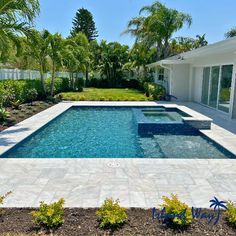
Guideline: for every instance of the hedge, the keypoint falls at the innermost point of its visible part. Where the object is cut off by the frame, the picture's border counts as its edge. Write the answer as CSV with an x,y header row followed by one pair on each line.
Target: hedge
x,y
13,90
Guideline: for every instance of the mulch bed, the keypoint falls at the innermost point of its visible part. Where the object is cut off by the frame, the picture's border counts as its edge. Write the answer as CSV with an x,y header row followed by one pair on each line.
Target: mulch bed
x,y
85,222
26,110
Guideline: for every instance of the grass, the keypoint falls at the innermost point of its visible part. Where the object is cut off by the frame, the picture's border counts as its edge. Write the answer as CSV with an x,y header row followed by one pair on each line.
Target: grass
x,y
95,94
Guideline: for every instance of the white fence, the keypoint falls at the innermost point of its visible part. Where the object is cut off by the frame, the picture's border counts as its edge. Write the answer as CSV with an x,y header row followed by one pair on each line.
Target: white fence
x,y
27,74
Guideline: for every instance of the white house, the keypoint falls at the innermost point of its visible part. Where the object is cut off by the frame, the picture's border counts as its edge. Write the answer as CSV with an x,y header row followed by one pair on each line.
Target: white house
x,y
206,75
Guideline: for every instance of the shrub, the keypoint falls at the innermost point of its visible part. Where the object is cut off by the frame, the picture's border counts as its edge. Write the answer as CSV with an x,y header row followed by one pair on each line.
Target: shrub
x,y
180,211
16,104
4,114
80,89
32,95
111,214
49,216
2,198
231,213
154,90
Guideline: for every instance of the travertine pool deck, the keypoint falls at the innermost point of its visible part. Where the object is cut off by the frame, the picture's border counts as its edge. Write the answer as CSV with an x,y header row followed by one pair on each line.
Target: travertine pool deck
x,y
136,182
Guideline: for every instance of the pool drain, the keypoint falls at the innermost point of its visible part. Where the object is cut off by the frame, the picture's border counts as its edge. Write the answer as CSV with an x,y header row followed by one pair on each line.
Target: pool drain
x,y
113,164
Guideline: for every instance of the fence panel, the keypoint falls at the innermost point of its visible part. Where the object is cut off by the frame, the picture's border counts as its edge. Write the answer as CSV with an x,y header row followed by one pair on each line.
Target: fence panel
x,y
27,74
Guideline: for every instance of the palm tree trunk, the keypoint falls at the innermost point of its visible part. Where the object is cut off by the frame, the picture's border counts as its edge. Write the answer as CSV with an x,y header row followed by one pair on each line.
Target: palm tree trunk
x,y
53,79
42,80
86,76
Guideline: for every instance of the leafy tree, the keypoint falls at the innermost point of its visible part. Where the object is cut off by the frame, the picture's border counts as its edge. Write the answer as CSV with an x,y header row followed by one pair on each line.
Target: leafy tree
x,y
56,46
157,26
16,17
231,33
39,43
84,22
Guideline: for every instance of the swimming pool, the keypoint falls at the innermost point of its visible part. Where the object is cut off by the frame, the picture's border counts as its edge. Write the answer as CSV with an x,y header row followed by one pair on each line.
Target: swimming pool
x,y
111,132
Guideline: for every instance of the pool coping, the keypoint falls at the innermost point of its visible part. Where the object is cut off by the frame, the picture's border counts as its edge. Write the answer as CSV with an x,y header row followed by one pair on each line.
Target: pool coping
x,y
17,133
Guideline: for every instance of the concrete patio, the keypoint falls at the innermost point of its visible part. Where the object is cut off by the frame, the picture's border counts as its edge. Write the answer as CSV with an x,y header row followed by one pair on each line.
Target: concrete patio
x,y
136,182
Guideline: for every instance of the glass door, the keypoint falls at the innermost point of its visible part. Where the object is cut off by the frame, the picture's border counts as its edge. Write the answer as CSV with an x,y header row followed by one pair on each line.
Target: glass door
x,y
225,88
215,74
205,85
216,87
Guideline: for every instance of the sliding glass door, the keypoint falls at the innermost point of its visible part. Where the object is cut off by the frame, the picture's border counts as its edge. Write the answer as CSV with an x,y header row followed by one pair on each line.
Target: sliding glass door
x,y
215,72
216,87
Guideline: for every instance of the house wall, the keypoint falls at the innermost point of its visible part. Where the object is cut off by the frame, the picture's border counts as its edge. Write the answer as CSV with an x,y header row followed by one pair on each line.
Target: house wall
x,y
179,81
197,76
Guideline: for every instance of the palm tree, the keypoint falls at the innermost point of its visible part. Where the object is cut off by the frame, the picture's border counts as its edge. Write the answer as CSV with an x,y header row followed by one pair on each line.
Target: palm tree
x,y
56,46
200,41
231,33
16,17
76,54
157,27
38,44
217,205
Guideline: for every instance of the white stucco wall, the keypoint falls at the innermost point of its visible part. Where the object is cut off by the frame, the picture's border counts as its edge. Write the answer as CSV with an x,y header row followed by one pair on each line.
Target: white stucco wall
x,y
196,88
180,81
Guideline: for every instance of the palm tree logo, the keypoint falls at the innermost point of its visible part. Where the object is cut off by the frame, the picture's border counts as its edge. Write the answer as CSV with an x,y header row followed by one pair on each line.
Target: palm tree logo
x,y
217,206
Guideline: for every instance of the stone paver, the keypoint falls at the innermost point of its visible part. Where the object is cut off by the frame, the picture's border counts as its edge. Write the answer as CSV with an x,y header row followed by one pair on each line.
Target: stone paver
x,y
195,181
136,182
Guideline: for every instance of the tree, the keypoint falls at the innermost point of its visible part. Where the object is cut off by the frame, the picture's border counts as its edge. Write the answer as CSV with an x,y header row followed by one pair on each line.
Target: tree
x,y
113,57
83,22
76,54
231,33
56,46
16,17
200,41
157,26
39,43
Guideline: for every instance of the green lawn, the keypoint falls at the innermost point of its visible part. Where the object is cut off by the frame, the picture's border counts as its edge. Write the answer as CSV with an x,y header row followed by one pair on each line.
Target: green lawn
x,y
94,94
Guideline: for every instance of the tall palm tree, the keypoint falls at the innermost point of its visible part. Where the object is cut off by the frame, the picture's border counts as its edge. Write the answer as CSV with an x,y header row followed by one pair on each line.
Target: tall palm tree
x,y
158,26
16,17
55,53
38,44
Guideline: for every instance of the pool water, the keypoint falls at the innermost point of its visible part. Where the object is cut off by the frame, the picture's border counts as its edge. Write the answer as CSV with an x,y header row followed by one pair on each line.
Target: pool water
x,y
163,116
83,132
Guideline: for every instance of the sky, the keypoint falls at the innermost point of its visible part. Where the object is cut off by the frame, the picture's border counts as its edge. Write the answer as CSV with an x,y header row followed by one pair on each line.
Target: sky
x,y
210,17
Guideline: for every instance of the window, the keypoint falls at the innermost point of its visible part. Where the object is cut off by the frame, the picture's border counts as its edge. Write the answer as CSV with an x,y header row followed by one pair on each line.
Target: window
x,y
216,87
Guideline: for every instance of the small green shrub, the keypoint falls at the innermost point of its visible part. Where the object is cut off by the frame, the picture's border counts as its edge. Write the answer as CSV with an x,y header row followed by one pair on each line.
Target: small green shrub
x,y
181,212
32,95
4,114
49,216
2,198
153,90
16,104
111,214
231,213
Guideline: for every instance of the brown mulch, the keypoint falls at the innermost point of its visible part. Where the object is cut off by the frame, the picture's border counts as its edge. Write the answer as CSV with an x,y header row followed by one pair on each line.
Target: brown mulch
x,y
85,222
26,110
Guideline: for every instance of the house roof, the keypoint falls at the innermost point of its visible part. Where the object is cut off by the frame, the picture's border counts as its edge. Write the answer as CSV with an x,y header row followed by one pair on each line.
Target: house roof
x,y
225,46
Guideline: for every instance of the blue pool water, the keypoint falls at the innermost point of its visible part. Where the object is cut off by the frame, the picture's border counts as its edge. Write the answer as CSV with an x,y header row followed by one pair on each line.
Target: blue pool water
x,y
110,132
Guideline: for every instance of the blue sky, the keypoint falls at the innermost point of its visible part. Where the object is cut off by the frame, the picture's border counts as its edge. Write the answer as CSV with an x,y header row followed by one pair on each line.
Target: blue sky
x,y
212,17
